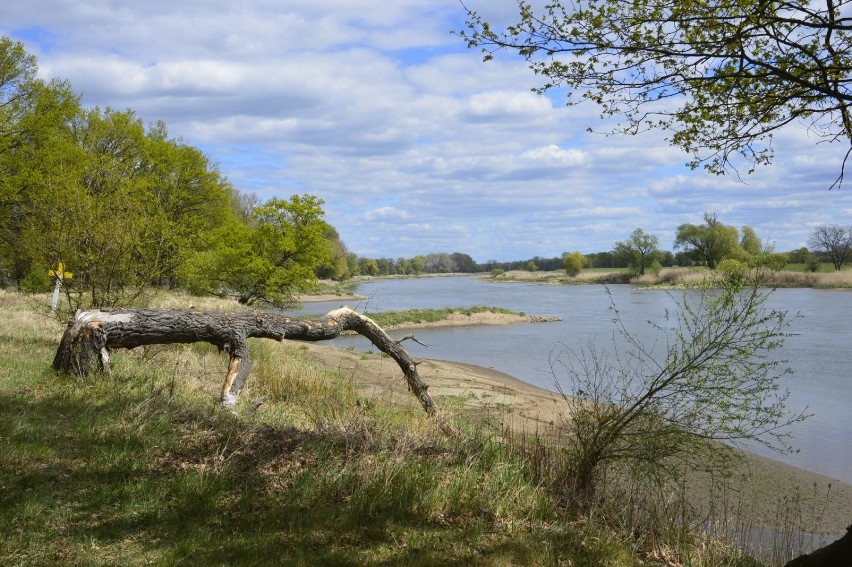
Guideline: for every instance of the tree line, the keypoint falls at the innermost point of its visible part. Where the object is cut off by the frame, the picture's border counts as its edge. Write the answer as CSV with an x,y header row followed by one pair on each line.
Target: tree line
x,y
115,207
712,244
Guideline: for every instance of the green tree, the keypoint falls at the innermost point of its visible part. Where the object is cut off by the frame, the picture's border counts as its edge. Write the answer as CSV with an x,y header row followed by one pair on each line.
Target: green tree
x,y
654,410
271,259
91,210
34,116
711,242
730,73
834,241
532,266
185,194
573,262
641,250
336,265
750,242
463,262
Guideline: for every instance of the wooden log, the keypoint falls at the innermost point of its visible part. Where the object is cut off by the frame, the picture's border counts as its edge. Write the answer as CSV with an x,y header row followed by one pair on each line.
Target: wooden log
x,y
91,335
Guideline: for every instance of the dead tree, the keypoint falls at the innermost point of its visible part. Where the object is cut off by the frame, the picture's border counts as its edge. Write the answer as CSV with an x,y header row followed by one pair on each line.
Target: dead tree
x,y
91,335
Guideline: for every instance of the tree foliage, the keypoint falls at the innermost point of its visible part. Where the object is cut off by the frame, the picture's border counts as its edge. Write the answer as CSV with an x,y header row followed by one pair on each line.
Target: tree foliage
x,y
573,262
710,242
641,250
652,407
272,259
834,241
124,208
719,76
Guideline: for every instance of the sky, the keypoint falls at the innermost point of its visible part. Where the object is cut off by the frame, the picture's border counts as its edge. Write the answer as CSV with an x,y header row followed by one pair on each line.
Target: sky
x,y
415,145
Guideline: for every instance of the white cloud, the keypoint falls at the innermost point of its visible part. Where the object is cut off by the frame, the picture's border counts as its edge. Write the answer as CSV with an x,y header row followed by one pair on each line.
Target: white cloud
x,y
377,109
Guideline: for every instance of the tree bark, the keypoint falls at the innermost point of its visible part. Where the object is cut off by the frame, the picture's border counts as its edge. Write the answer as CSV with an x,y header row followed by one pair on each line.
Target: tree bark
x,y
837,554
91,335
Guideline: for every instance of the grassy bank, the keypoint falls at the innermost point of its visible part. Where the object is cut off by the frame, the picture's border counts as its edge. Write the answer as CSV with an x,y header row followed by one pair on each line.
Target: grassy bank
x,y
143,467
794,275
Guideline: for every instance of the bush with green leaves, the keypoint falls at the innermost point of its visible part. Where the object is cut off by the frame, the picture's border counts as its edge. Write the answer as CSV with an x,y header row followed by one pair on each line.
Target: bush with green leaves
x,y
707,383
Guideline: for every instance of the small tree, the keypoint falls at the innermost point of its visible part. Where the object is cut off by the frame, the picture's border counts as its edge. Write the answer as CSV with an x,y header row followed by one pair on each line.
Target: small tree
x,y
641,250
712,242
658,409
834,241
573,263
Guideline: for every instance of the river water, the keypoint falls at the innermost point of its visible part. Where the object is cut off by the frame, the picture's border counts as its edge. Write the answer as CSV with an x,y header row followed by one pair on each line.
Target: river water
x,y
820,352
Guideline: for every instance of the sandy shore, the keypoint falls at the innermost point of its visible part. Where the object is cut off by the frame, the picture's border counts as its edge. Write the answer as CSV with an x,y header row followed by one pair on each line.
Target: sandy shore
x,y
771,492
329,297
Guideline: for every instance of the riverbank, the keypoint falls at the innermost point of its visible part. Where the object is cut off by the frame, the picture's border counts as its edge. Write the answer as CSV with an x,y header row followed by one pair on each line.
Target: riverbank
x,y
765,493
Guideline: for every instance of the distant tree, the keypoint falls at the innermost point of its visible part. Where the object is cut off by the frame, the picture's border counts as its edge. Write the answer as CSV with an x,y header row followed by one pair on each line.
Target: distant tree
x,y
463,263
712,241
417,264
602,260
667,259
799,255
834,241
641,250
532,266
573,262
403,266
750,242
384,266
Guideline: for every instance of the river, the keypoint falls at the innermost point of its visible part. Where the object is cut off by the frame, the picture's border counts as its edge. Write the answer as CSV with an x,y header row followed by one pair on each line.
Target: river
x,y
819,351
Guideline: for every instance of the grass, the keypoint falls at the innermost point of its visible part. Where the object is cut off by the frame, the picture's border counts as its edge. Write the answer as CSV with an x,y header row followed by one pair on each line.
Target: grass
x,y
791,276
396,318
143,467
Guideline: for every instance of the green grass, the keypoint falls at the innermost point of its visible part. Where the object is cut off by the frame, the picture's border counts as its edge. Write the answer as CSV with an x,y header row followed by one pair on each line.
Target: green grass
x,y
142,467
395,318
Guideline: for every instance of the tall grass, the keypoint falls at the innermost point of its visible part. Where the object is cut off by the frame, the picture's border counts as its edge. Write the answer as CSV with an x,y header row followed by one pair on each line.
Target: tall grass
x,y
142,467
678,277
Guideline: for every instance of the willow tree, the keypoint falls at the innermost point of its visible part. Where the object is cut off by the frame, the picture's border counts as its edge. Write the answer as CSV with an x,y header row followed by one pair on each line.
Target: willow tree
x,y
719,76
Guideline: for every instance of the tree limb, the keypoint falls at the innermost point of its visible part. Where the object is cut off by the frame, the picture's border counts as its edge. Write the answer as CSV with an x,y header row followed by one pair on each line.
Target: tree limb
x,y
91,335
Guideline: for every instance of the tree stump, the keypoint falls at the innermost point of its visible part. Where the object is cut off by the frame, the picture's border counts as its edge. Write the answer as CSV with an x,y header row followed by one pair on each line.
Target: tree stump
x,y
91,335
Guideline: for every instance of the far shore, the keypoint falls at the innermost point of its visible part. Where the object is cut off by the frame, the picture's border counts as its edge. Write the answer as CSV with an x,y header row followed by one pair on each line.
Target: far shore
x,y
764,485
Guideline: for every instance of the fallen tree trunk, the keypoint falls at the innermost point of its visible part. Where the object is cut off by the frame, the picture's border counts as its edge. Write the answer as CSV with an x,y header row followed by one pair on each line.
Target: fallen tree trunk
x,y
91,335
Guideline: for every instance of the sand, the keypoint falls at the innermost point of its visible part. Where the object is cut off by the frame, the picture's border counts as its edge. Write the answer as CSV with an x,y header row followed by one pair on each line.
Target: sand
x,y
771,492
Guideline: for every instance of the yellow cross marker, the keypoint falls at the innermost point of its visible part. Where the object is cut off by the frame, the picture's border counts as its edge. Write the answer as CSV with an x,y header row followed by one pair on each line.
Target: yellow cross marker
x,y
60,273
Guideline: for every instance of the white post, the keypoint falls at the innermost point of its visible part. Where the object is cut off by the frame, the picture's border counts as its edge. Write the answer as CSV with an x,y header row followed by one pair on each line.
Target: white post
x,y
55,301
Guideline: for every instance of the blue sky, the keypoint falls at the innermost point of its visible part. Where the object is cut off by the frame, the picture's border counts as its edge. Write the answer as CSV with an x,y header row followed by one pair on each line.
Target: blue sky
x,y
415,144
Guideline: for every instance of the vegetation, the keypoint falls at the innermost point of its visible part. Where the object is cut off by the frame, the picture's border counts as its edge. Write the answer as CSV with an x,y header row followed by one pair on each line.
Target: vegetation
x,y
399,318
123,207
732,73
573,262
270,259
664,411
642,251
140,467
833,241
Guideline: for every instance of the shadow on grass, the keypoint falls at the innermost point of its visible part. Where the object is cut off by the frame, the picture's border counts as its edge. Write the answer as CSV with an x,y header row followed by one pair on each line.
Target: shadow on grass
x,y
118,473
